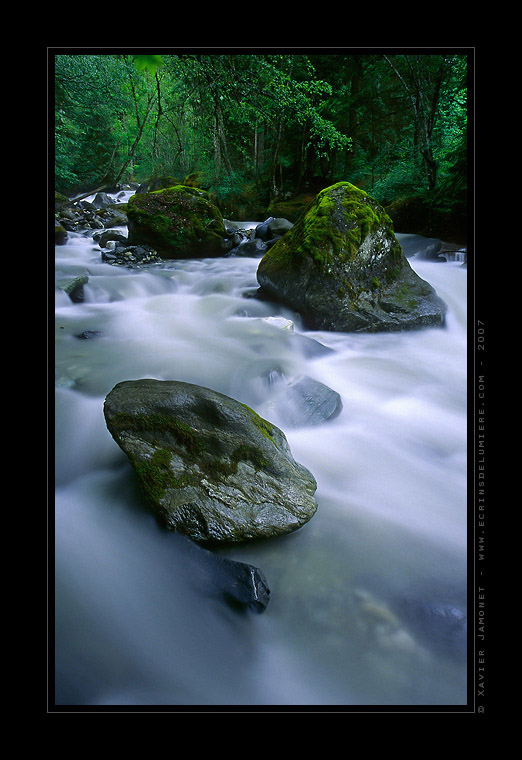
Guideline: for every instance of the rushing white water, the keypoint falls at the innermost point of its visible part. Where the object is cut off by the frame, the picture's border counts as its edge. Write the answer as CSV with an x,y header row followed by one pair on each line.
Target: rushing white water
x,y
351,619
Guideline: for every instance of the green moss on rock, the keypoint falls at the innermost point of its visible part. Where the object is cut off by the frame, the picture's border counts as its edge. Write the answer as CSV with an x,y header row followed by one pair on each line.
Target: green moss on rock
x,y
60,200
265,428
178,222
340,264
162,425
60,234
333,230
210,466
155,473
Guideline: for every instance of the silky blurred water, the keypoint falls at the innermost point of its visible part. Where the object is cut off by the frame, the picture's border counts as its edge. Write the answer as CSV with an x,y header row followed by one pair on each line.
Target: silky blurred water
x,y
355,612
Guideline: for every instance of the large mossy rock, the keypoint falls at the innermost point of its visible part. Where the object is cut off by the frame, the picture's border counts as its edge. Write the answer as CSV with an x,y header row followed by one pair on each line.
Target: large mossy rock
x,y
210,467
60,200
342,268
179,222
60,233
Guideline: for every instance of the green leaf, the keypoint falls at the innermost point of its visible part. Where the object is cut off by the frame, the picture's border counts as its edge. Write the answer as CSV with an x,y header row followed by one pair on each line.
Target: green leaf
x,y
148,62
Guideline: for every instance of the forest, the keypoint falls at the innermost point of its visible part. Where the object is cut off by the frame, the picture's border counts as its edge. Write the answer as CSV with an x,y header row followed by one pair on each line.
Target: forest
x,y
261,132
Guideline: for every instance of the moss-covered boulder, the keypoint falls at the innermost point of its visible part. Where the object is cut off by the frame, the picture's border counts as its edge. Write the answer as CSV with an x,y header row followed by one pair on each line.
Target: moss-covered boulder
x,y
60,200
179,222
342,268
60,234
211,468
192,180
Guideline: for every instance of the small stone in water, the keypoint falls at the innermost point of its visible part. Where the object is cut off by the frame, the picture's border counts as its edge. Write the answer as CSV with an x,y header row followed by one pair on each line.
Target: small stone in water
x,y
87,334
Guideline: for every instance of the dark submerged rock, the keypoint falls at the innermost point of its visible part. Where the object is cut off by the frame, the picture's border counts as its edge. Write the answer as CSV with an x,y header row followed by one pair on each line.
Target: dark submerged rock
x,y
342,268
304,402
435,616
440,625
241,585
89,334
210,467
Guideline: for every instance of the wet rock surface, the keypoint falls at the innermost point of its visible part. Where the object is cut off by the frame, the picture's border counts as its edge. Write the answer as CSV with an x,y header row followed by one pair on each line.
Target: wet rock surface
x,y
178,222
73,286
211,468
240,585
302,401
130,256
341,267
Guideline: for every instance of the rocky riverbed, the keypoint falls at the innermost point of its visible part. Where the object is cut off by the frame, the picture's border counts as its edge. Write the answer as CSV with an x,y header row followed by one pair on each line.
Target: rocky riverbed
x,y
370,591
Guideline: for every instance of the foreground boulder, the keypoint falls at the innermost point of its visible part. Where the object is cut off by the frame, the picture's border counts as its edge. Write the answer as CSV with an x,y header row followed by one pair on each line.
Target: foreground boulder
x,y
211,468
342,268
179,222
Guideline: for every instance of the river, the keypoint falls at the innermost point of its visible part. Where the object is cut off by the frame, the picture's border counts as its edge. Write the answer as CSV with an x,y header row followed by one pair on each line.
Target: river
x,y
368,599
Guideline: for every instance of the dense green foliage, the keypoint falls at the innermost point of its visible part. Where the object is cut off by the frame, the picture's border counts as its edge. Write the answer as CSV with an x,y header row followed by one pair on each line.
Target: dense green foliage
x,y
264,126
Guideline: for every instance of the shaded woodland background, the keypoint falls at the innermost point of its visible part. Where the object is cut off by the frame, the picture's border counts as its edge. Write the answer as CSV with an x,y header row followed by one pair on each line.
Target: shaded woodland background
x,y
264,133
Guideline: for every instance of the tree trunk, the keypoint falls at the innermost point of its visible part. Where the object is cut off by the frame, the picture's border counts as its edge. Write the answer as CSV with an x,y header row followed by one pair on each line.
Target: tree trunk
x,y
86,195
223,141
430,166
302,159
355,87
423,92
217,148
136,141
276,158
130,157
